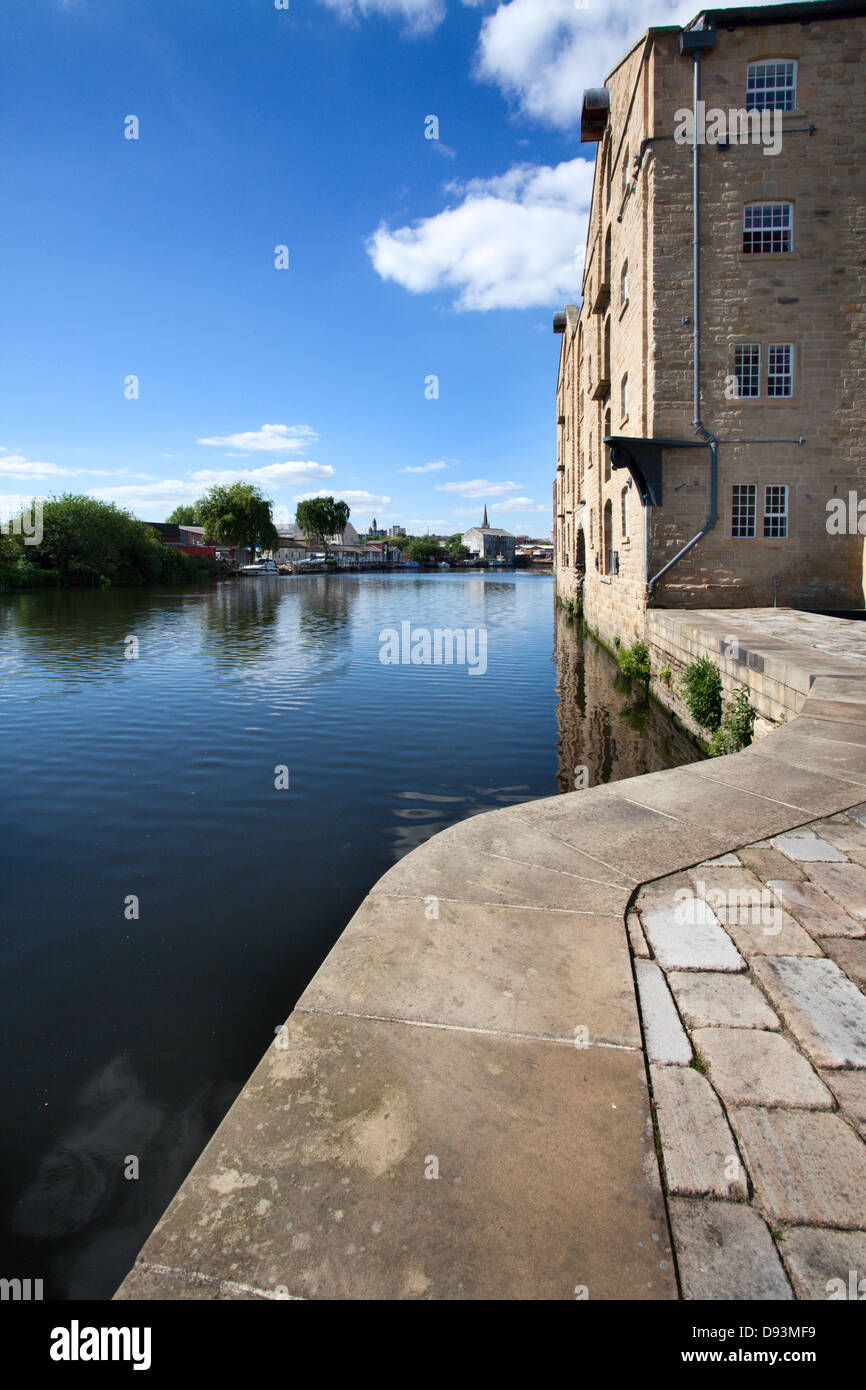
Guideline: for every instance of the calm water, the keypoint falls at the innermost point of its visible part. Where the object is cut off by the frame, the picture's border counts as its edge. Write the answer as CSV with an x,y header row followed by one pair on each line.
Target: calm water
x,y
155,777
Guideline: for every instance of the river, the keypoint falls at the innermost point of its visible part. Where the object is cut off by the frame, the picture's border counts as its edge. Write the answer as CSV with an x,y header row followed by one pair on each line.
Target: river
x,y
166,896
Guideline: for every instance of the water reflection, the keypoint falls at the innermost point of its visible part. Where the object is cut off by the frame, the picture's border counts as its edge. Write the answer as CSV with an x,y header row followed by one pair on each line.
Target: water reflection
x,y
606,723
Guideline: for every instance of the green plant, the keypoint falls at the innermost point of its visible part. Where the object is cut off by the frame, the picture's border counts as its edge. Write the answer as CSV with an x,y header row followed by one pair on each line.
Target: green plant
x,y
702,692
617,643
737,726
634,662
665,675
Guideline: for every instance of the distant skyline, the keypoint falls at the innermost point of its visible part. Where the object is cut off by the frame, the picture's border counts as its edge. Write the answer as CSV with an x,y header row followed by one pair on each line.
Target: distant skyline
x,y
158,157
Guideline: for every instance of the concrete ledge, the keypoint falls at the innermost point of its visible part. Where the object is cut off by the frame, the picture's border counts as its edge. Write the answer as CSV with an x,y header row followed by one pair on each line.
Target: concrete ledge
x,y
459,1107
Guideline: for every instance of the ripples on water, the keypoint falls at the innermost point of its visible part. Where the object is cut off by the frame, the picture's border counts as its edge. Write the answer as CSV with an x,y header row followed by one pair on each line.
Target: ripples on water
x,y
155,777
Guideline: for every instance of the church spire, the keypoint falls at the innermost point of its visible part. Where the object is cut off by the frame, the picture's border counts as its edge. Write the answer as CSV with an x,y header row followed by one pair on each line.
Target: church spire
x,y
484,522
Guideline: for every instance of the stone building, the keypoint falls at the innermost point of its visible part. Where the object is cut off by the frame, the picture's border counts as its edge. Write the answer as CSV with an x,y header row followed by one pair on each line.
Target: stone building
x,y
710,425
488,543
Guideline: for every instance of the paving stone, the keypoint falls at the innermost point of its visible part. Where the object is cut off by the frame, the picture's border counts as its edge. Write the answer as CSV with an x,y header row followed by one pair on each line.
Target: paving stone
x,y
844,882
699,1150
784,938
805,847
725,1251
850,956
636,936
767,862
825,1012
846,836
858,813
665,1036
811,906
684,932
807,1166
750,1067
724,861
713,999
849,1088
825,1265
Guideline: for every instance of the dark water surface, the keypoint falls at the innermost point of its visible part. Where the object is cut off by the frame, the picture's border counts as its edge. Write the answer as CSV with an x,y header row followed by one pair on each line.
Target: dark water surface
x,y
154,777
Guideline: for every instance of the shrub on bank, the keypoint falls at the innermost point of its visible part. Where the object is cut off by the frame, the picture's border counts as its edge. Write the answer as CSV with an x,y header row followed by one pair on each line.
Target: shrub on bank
x,y
736,728
634,662
702,693
92,543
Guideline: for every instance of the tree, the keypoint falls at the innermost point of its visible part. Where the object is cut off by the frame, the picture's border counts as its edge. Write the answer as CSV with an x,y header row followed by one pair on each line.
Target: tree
x,y
455,547
322,517
186,514
237,515
423,548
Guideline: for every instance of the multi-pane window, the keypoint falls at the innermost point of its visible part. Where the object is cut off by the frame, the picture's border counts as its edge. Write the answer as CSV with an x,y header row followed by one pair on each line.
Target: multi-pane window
x,y
771,86
768,227
743,507
747,368
776,511
780,369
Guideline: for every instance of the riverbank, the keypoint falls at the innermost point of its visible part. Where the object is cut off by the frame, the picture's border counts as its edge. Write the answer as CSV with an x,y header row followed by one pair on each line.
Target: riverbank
x,y
461,1104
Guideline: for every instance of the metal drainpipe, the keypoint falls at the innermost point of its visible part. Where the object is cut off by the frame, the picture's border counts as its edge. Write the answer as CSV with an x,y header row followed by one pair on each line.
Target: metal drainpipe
x,y
701,429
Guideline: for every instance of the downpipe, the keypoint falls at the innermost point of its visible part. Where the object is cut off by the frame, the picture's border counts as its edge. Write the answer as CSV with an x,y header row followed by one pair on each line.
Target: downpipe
x,y
694,41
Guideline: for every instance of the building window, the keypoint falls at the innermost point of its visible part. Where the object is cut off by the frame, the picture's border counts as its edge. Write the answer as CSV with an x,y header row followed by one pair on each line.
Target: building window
x,y
780,369
743,505
771,86
591,529
776,512
747,369
624,512
768,227
606,447
625,170
623,284
624,397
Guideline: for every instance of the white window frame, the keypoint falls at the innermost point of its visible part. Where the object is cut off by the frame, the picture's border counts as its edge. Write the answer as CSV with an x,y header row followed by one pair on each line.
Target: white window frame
x,y
783,376
778,514
768,230
750,513
784,89
754,370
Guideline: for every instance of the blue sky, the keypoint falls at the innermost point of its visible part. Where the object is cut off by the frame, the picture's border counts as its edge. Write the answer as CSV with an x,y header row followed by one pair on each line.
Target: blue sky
x,y
409,257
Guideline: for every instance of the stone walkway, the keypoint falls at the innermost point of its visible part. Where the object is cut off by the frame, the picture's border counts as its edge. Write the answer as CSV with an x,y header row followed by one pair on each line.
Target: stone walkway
x,y
467,1100
751,972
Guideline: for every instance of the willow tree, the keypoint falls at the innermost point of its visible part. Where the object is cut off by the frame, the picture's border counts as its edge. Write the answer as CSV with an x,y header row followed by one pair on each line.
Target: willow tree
x,y
237,515
322,517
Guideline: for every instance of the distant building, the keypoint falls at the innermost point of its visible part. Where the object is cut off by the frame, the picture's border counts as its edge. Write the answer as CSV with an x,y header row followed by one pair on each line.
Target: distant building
x,y
395,531
488,543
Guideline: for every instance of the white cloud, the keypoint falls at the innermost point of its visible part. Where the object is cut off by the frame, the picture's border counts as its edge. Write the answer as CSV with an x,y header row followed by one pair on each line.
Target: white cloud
x,y
512,242
419,16
277,474
357,500
425,468
17,466
147,499
543,53
520,504
275,438
479,487
440,521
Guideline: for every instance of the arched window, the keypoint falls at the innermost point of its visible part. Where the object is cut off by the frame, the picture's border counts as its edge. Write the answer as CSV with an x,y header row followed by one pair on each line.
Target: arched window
x,y
606,274
607,447
607,538
606,369
624,396
625,170
623,284
624,511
